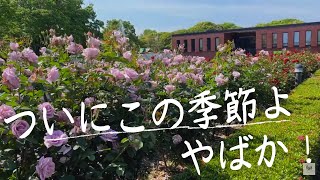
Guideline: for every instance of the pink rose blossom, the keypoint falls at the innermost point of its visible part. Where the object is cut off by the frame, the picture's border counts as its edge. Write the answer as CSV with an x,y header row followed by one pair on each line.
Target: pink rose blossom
x,y
74,48
236,74
166,61
2,61
169,88
57,40
237,62
43,50
93,42
167,51
221,80
254,59
49,108
131,74
45,167
29,55
14,46
89,101
15,56
55,139
6,112
18,127
90,53
117,74
127,55
116,34
10,79
53,75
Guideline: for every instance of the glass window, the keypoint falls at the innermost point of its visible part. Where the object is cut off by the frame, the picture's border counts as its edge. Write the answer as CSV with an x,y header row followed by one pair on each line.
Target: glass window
x,y
178,43
208,44
318,37
264,41
285,39
308,38
185,42
200,44
193,45
217,41
274,40
296,39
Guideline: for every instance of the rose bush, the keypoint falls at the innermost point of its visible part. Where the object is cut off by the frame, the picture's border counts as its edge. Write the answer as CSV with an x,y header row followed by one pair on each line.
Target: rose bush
x,y
67,74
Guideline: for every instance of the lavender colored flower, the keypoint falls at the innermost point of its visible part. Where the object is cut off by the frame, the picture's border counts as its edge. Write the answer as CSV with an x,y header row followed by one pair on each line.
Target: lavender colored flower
x,y
169,88
49,108
109,135
89,101
237,62
221,80
127,55
130,74
2,61
45,167
53,75
57,40
236,74
93,42
18,127
6,112
15,56
117,74
10,79
56,139
29,55
74,48
14,46
176,139
90,53
43,50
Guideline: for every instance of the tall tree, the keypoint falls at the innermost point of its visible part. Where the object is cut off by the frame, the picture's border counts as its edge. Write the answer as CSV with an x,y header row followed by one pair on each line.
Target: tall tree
x,y
31,17
126,27
280,22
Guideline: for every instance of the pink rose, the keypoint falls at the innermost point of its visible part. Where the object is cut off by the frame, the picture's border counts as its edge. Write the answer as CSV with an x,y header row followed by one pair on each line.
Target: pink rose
x,y
117,74
90,53
62,116
15,56
166,51
6,112
169,88
127,55
29,55
166,61
49,108
45,167
236,74
43,50
57,40
74,48
56,139
221,80
10,79
131,74
89,101
2,61
93,42
53,75
255,59
18,127
14,46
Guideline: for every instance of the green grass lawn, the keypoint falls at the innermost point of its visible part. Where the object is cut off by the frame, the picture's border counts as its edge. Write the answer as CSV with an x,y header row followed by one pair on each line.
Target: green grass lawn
x,y
304,105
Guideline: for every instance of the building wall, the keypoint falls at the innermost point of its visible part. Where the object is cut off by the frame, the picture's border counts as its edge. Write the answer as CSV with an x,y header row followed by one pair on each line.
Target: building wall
x,y
290,30
224,36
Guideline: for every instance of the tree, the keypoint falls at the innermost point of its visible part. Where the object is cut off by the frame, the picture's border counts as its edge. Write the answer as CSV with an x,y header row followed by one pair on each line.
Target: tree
x,y
125,27
204,26
30,18
228,25
280,22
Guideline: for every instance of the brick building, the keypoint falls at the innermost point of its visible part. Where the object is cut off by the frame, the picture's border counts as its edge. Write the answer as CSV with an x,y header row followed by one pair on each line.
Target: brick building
x,y
271,38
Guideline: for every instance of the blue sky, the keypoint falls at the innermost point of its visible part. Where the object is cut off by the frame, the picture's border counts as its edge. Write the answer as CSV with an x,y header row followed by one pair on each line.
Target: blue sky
x,y
170,15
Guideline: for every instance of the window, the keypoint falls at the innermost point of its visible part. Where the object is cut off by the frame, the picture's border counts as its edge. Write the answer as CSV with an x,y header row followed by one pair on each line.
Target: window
x,y
264,41
308,38
296,39
178,43
318,37
185,42
217,41
200,44
285,39
274,40
209,44
193,45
